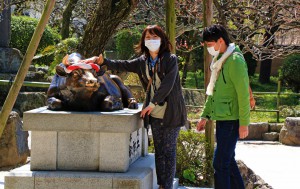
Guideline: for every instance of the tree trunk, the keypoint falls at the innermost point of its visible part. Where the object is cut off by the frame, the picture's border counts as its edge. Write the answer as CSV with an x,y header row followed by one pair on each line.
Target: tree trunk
x,y
195,70
18,82
67,14
265,71
171,23
109,14
5,18
209,129
266,65
269,40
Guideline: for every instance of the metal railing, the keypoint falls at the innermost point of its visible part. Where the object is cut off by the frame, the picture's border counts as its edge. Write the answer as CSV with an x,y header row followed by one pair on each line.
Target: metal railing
x,y
27,83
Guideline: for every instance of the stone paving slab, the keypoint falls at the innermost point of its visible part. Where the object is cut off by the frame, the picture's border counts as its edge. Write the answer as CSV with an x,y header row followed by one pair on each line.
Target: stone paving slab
x,y
141,174
276,164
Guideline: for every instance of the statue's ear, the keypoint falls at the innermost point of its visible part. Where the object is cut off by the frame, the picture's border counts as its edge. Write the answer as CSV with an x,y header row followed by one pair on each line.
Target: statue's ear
x,y
60,71
65,60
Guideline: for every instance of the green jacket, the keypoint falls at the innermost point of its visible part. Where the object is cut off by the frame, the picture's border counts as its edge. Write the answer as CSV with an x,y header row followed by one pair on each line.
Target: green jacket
x,y
230,99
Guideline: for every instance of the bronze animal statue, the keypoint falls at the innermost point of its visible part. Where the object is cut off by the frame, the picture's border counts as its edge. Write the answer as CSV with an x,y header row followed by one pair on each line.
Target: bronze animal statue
x,y
84,87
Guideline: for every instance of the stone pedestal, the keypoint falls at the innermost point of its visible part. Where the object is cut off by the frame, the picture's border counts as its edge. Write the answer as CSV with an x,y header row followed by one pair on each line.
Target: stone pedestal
x,y
88,150
84,141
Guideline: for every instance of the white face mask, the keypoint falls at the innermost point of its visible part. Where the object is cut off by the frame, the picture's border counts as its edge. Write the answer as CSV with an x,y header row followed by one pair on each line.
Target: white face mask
x,y
152,45
212,51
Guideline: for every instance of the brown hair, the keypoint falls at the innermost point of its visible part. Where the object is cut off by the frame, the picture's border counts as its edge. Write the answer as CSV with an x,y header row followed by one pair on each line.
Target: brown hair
x,y
165,45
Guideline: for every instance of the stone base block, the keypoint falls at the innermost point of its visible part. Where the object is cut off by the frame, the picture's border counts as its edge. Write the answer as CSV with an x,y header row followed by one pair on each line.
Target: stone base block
x,y
85,141
141,175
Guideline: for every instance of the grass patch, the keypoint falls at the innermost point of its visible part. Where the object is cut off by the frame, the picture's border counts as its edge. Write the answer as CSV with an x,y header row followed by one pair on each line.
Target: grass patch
x,y
194,80
268,87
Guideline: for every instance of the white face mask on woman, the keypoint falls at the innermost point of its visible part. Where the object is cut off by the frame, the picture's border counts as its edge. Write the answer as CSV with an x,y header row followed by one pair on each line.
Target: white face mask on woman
x,y
153,44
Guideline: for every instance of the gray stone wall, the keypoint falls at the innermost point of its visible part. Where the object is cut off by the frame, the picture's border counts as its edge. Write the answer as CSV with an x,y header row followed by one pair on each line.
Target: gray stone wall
x,y
10,60
290,133
264,131
13,143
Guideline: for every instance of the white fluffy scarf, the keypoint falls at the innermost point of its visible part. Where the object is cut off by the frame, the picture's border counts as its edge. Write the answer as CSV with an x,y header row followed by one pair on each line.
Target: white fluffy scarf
x,y
216,66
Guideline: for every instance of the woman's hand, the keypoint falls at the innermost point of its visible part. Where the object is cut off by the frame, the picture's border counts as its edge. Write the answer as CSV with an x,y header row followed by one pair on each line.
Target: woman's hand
x,y
201,124
147,110
95,59
100,59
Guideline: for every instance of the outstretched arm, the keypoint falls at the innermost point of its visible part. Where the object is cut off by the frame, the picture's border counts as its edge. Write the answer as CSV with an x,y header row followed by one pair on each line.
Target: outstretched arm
x,y
119,65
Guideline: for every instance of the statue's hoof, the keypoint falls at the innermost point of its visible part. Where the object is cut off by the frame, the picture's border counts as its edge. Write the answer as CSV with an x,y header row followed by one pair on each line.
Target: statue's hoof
x,y
54,104
112,103
133,104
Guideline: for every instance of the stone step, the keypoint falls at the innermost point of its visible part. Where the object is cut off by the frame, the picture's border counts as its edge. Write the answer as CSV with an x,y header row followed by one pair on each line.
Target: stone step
x,y
141,175
271,136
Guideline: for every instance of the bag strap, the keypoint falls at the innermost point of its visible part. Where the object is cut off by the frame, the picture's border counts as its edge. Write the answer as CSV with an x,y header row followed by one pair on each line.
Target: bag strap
x,y
149,84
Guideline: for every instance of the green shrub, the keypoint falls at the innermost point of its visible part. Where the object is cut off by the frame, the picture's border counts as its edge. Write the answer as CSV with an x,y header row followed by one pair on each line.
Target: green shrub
x,y
191,161
125,41
289,111
290,72
22,29
59,51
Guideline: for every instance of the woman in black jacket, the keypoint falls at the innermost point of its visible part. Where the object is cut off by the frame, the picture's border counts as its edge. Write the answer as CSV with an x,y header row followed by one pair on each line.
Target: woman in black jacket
x,y
164,107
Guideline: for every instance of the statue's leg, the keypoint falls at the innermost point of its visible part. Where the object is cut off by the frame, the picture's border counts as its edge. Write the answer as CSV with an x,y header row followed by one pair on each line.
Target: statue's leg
x,y
127,97
111,103
113,97
54,103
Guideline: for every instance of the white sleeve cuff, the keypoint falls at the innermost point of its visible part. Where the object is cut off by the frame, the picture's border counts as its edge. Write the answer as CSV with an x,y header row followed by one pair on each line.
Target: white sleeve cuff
x,y
151,105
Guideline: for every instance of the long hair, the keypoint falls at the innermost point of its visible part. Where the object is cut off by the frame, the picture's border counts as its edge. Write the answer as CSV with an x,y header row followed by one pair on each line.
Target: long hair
x,y
165,45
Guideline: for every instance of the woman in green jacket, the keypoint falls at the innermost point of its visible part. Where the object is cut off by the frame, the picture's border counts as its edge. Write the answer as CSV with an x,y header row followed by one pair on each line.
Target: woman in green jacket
x,y
227,103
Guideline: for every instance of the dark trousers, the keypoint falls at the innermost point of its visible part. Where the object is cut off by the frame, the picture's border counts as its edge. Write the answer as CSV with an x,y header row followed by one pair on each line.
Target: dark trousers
x,y
165,152
227,174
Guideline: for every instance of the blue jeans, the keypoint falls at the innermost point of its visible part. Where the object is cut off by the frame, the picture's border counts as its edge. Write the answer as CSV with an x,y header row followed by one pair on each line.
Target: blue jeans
x,y
227,174
165,139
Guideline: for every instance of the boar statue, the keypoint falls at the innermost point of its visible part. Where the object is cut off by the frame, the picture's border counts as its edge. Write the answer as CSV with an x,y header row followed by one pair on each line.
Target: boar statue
x,y
78,86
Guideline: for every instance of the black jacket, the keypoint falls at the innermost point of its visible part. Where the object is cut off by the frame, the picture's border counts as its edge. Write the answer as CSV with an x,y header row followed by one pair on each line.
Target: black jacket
x,y
169,90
